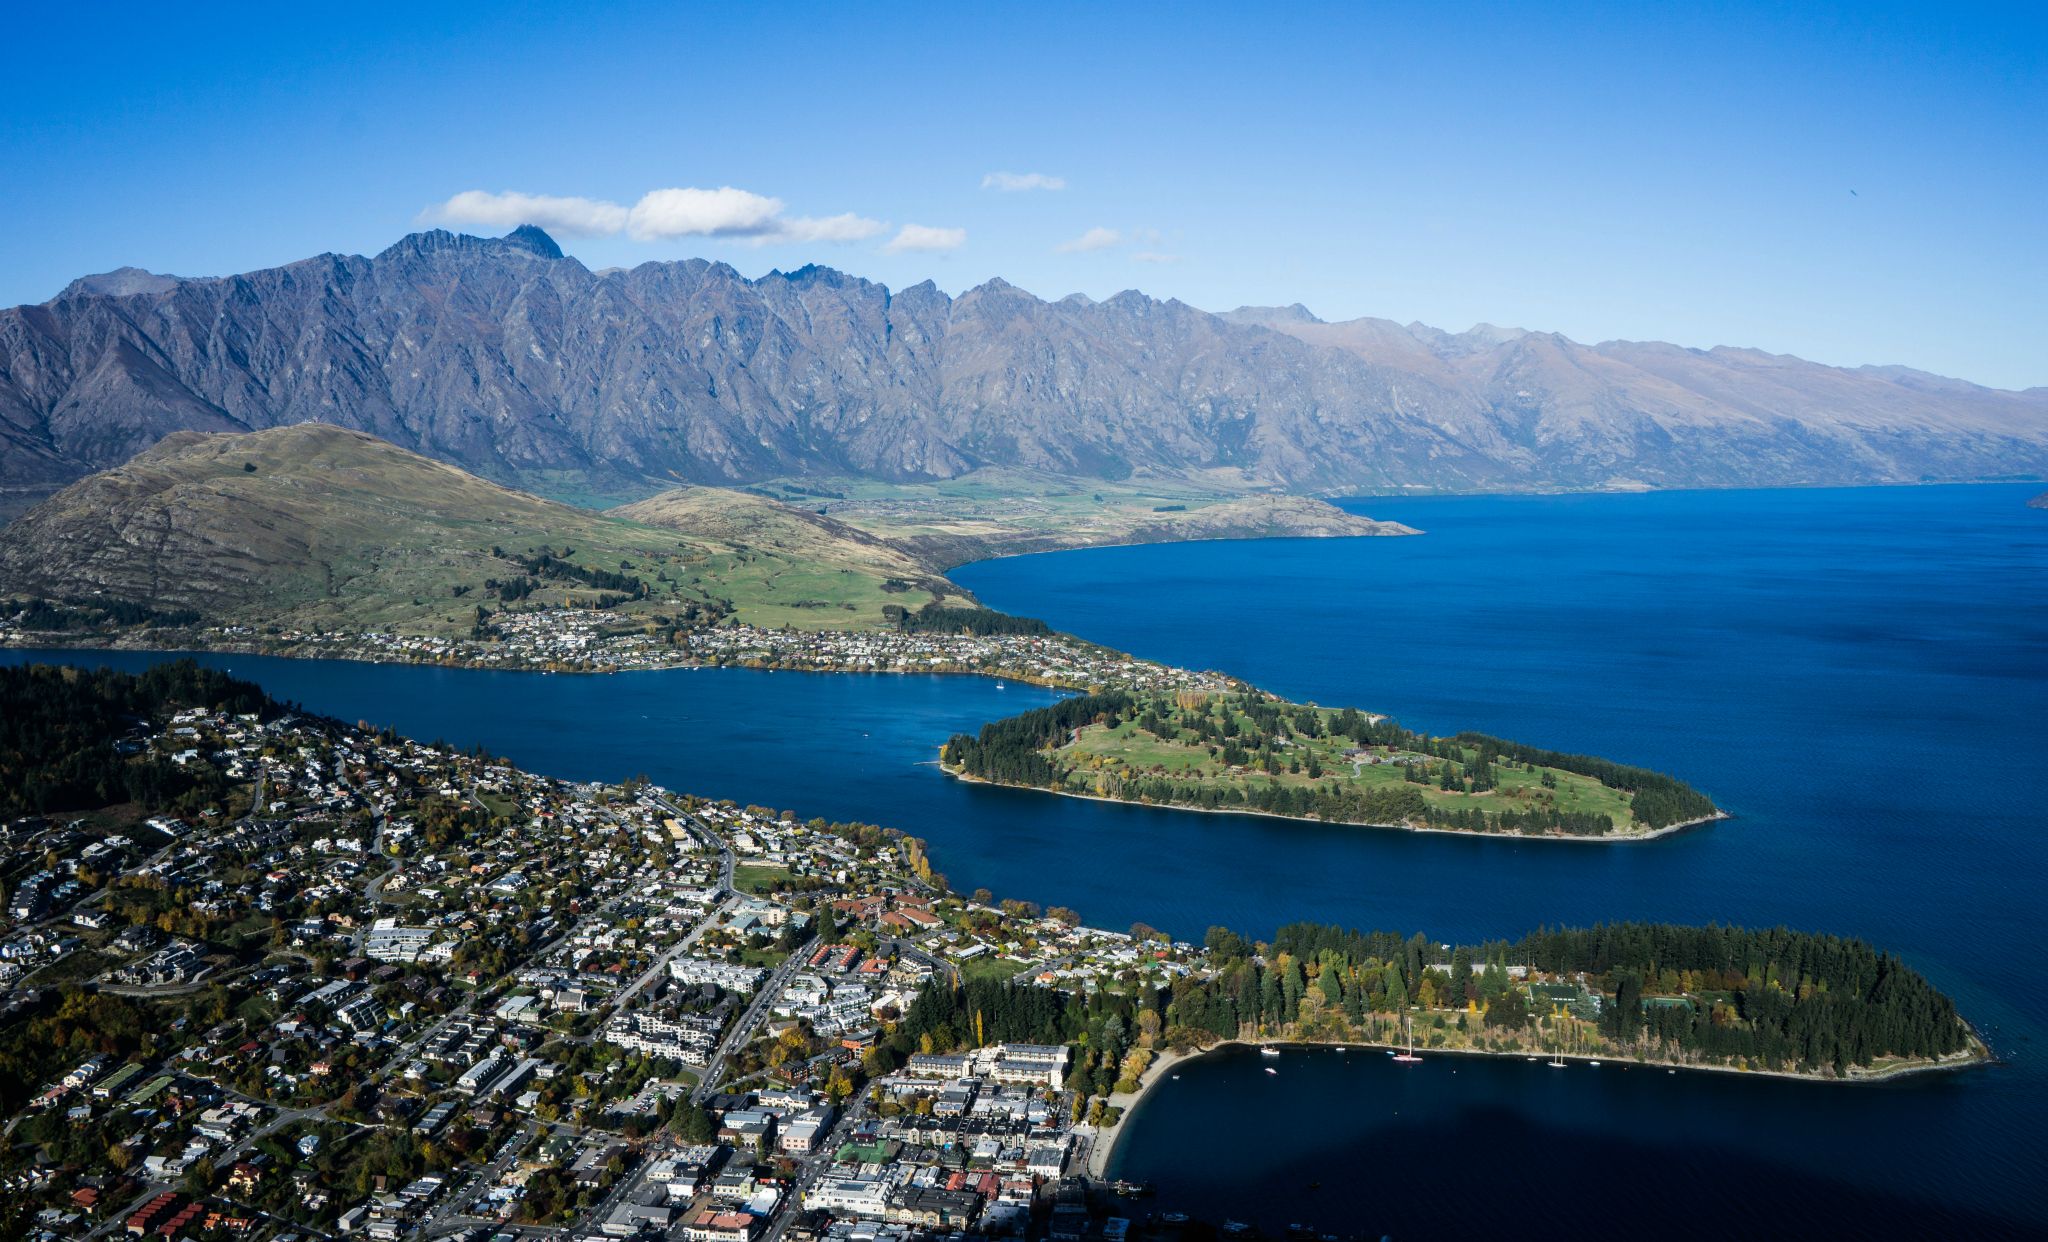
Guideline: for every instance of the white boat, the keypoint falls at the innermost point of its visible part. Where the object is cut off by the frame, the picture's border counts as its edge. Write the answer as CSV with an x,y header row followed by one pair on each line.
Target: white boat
x,y
1268,1050
1556,1062
1340,1047
1409,1056
1271,1070
1594,1064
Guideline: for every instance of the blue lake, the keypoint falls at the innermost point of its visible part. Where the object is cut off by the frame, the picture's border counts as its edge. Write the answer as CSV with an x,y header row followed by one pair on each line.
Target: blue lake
x,y
1859,674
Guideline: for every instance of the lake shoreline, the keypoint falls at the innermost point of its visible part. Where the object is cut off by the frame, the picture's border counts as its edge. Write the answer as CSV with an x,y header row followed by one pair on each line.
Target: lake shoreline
x,y
1612,838
1100,1153
300,652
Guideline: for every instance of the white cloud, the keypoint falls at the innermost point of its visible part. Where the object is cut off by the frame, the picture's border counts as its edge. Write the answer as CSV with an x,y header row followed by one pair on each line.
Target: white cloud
x,y
723,212
1153,256
1097,238
660,215
923,237
571,217
1011,183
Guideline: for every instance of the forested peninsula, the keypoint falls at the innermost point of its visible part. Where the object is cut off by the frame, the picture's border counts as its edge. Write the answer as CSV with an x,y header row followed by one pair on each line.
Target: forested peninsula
x,y
1249,751
1725,998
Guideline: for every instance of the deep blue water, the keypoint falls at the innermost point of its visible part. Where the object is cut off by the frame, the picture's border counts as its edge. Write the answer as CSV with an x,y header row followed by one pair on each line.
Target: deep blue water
x,y
1859,674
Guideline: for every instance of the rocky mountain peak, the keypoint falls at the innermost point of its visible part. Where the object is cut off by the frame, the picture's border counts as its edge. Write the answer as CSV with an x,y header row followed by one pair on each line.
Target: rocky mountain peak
x,y
1269,316
120,283
486,353
534,238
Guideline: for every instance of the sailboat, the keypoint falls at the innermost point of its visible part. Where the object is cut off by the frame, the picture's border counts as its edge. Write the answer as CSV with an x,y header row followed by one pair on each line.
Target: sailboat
x,y
1409,1056
1556,1061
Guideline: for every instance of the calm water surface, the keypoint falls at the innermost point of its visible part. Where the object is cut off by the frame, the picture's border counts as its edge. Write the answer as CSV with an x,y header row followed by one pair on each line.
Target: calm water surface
x,y
1860,675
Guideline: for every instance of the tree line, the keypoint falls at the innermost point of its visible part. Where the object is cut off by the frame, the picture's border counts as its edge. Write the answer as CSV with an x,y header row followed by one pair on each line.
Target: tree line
x,y
60,729
1244,729
48,616
546,566
937,618
1657,800
1774,998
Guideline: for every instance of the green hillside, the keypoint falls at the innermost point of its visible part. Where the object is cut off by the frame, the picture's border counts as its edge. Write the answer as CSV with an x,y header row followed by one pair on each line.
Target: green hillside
x,y
316,527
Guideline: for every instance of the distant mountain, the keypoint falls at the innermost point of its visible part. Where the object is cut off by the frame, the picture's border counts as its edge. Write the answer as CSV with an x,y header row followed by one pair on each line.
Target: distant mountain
x,y
120,283
503,357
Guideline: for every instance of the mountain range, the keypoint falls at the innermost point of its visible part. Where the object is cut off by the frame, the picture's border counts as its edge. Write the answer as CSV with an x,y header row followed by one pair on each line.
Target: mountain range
x,y
505,357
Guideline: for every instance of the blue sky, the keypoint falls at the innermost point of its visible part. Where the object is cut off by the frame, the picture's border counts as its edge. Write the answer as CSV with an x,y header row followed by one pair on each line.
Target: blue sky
x,y
1602,171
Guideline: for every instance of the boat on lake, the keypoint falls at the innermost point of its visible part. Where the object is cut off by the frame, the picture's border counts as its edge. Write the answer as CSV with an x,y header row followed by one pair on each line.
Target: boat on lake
x,y
1409,1056
1268,1050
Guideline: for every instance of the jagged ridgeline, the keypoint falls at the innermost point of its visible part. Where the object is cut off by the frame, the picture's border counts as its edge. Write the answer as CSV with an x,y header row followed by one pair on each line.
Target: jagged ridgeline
x,y
636,379
1253,752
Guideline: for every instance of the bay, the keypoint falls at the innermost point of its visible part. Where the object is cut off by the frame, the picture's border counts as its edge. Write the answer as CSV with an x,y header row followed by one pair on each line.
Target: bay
x,y
1858,674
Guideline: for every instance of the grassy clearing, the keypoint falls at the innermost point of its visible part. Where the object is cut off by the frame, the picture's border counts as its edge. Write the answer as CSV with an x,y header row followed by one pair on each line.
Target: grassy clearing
x,y
758,878
1099,752
995,512
314,527
996,968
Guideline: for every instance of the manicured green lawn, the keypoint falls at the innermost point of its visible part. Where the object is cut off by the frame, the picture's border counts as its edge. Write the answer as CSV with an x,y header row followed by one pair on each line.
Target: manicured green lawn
x,y
1127,749
757,878
995,968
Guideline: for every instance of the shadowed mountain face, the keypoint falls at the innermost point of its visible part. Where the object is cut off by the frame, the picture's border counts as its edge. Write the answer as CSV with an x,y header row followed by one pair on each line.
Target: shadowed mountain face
x,y
502,356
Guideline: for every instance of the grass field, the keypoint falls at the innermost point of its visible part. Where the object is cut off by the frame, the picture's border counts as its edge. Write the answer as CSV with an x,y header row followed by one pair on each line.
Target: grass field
x,y
757,878
1100,754
314,527
998,512
996,968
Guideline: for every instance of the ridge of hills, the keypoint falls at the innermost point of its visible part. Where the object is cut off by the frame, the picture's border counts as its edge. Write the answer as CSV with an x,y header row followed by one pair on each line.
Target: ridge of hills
x,y
314,526
519,364
318,527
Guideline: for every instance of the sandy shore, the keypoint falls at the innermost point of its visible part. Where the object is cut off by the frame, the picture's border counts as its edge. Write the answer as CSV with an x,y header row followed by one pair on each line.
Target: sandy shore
x,y
1612,838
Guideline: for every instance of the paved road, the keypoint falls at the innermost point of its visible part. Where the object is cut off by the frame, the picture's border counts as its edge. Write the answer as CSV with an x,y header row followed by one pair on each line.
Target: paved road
x,y
660,964
812,1167
904,948
743,1030
452,1207
708,838
223,1160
